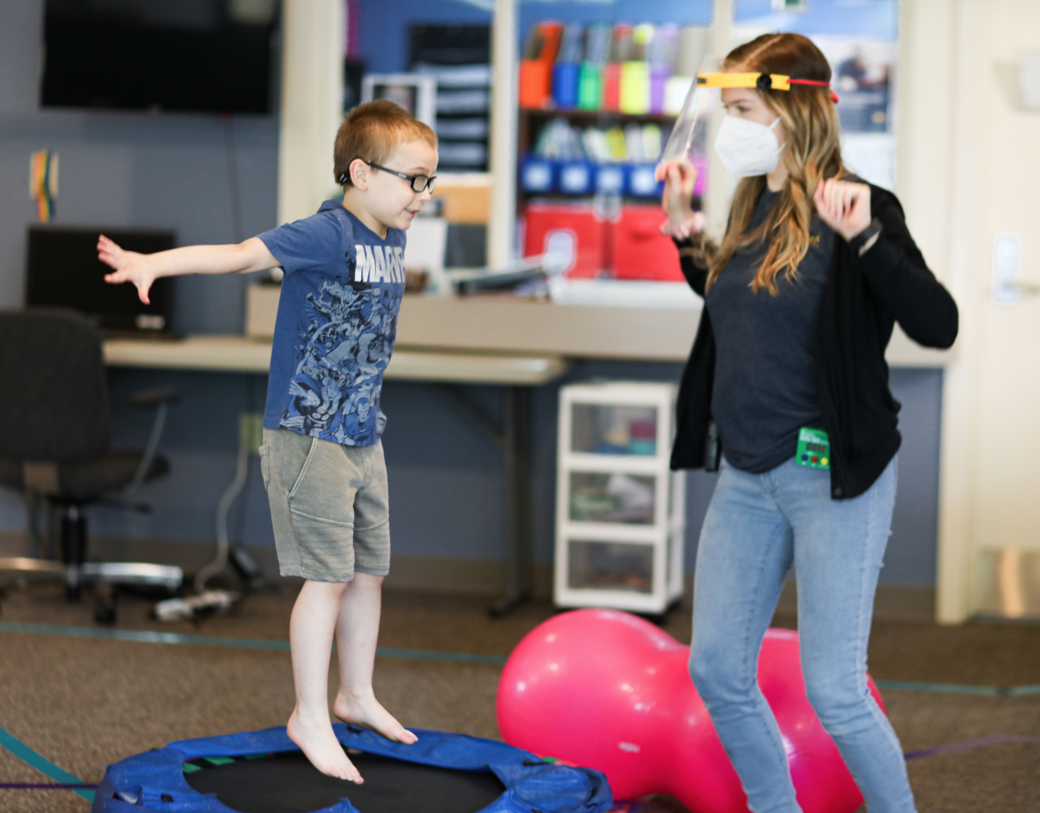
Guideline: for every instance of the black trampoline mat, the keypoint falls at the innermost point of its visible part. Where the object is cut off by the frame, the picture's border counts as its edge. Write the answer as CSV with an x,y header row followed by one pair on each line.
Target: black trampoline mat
x,y
288,783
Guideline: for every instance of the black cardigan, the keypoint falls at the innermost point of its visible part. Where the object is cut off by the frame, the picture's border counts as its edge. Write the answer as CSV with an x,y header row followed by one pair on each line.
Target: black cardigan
x,y
862,299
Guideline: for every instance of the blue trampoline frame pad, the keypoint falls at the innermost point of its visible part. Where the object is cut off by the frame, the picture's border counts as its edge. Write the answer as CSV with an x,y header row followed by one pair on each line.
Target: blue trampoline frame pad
x,y
155,780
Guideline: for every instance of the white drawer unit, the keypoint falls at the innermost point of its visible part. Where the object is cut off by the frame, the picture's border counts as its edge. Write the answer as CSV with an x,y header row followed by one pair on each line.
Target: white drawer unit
x,y
620,511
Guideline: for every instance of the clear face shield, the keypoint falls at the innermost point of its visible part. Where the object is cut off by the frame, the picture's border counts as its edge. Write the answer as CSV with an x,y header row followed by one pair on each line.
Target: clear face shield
x,y
689,139
690,135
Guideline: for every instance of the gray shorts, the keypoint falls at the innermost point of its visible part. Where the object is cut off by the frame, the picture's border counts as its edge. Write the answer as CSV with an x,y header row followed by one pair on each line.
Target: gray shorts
x,y
329,506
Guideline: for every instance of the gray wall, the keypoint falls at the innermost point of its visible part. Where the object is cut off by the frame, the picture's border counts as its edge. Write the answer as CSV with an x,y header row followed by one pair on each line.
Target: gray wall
x,y
121,169
172,171
446,476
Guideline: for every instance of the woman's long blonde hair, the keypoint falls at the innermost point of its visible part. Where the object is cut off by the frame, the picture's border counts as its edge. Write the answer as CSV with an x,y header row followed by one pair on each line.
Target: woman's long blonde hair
x,y
812,154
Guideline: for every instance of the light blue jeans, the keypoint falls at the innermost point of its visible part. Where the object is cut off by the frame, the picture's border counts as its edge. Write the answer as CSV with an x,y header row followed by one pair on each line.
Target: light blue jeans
x,y
758,525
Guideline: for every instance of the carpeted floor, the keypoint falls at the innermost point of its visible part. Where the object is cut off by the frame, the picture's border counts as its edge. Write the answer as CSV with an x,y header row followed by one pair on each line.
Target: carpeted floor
x,y
83,703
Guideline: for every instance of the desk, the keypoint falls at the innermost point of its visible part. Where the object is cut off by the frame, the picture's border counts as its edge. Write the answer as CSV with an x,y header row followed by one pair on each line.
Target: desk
x,y
515,325
618,328
240,354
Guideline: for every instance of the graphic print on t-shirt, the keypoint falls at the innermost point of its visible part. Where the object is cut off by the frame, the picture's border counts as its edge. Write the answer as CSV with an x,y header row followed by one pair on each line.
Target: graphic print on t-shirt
x,y
373,265
349,337
337,321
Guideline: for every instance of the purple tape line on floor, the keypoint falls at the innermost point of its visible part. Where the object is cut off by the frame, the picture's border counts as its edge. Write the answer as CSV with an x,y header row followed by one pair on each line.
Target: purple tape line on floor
x,y
964,746
46,786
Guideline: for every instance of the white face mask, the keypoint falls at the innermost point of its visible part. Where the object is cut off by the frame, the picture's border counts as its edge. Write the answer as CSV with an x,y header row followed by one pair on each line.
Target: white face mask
x,y
746,147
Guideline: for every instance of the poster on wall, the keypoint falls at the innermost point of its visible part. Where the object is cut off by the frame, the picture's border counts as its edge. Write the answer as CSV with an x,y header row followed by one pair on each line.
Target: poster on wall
x,y
863,74
861,43
415,93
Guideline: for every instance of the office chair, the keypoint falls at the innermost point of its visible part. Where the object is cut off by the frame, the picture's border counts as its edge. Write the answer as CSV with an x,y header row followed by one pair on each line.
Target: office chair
x,y
55,426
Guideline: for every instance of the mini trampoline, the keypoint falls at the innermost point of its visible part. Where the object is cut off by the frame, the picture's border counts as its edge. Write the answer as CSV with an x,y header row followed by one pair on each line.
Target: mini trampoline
x,y
264,772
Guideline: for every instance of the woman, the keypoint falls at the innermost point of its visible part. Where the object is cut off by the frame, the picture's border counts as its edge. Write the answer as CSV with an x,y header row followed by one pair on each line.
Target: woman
x,y
788,372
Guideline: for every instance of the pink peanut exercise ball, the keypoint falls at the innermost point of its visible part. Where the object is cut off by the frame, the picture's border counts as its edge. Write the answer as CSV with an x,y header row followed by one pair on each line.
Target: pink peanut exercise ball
x,y
610,691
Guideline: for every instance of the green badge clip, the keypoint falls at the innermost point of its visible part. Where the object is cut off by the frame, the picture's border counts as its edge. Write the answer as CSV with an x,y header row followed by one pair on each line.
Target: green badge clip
x,y
814,449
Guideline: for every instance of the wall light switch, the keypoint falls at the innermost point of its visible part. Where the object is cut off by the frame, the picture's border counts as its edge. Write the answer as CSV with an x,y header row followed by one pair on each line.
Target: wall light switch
x,y
1007,263
1029,80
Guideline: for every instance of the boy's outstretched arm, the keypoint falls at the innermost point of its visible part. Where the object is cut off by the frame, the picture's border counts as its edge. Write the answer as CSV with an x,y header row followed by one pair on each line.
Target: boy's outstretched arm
x,y
143,269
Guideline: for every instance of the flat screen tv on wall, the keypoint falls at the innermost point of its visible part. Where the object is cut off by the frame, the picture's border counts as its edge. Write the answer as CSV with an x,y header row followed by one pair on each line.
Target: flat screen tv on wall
x,y
215,56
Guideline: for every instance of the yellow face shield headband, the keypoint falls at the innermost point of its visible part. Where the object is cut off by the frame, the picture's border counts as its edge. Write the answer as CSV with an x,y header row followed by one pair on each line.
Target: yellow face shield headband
x,y
758,81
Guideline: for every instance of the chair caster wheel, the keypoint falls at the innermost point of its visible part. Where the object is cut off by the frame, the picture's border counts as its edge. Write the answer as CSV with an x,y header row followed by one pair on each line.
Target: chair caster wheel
x,y
106,596
105,613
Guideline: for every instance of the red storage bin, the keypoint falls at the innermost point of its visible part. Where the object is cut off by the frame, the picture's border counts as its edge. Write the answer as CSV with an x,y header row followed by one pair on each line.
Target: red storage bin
x,y
568,228
639,249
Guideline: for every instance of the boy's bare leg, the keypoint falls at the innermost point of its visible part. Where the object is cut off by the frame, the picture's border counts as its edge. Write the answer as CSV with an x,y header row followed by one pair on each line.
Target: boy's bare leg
x,y
311,629
356,634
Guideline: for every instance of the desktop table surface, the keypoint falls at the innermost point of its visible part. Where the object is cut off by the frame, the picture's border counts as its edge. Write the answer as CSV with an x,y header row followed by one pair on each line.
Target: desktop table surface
x,y
242,354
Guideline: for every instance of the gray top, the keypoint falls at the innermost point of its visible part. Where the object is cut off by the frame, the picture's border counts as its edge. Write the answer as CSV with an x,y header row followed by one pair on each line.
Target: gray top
x,y
765,380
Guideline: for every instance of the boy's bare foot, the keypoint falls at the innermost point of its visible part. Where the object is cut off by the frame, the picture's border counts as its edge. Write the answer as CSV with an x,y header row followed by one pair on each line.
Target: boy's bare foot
x,y
320,746
360,707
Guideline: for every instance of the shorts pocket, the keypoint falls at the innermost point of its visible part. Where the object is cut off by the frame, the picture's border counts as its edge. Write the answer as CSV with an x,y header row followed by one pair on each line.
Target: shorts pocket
x,y
322,518
324,548
324,490
306,464
265,463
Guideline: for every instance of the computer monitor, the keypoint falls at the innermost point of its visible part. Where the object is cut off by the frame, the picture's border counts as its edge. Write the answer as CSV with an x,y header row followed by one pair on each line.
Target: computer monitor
x,y
63,270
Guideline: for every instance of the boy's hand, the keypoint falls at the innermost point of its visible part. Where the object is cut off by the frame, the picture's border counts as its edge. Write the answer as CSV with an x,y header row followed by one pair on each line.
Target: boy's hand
x,y
129,267
843,206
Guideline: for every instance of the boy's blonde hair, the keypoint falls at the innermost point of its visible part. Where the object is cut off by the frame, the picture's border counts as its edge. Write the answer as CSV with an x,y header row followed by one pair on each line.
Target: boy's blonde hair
x,y
371,132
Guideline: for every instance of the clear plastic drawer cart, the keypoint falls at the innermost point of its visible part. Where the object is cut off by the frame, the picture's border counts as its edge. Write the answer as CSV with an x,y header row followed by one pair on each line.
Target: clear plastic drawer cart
x,y
620,512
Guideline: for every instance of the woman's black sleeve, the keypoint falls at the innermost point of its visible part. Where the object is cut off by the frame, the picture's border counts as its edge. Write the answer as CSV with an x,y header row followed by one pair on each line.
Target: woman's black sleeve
x,y
694,253
900,278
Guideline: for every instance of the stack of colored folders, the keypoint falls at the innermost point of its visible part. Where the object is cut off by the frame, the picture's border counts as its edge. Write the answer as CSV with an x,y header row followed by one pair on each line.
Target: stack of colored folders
x,y
631,69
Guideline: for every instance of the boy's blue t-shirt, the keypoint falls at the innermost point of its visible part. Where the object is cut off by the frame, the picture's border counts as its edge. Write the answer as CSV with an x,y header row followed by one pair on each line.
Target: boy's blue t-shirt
x,y
336,324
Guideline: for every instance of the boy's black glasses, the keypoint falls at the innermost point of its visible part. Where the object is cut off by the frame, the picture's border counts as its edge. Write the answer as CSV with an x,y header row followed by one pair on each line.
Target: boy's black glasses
x,y
420,183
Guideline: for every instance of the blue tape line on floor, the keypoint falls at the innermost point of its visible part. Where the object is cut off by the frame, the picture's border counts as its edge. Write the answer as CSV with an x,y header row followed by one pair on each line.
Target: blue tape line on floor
x,y
28,755
142,636
956,688
458,657
45,785
153,637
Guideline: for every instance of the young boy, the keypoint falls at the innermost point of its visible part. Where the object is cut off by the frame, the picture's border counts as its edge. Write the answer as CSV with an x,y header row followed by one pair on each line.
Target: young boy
x,y
322,459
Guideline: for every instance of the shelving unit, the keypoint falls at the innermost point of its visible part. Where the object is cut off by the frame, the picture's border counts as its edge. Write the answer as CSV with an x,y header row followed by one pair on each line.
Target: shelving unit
x,y
602,219
459,58
620,511
531,121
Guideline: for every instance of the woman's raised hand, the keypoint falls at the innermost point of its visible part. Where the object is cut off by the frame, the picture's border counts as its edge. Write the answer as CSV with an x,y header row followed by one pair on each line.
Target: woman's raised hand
x,y
129,266
680,179
844,206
